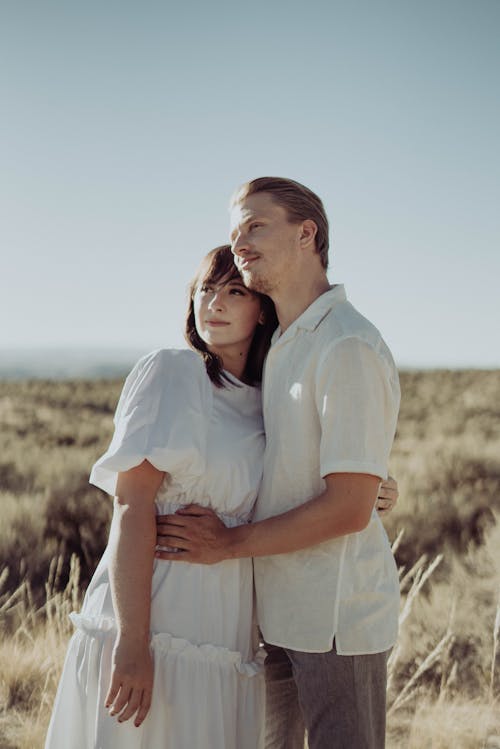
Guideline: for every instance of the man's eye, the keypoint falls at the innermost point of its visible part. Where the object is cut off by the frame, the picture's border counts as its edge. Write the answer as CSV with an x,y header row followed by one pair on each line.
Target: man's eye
x,y
254,225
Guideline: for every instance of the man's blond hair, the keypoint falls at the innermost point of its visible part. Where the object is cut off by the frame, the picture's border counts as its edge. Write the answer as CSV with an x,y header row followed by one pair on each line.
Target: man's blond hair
x,y
299,202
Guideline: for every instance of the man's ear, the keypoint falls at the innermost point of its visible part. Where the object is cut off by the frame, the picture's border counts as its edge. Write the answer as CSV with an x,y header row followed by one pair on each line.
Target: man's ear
x,y
308,232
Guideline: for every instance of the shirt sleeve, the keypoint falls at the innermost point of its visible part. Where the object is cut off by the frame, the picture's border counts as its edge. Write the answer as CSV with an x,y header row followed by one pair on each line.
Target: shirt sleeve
x,y
159,418
357,397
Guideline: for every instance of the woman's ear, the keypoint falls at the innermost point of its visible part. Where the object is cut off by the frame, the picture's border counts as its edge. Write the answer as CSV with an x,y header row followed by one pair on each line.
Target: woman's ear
x,y
262,318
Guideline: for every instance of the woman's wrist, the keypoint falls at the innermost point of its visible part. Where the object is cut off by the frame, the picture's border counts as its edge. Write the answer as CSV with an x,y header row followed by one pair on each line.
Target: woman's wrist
x,y
133,637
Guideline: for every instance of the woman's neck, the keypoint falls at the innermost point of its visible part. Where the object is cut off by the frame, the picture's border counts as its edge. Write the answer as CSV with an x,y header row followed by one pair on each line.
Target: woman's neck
x,y
233,362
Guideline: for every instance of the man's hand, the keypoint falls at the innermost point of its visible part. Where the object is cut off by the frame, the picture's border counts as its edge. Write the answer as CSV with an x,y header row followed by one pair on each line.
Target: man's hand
x,y
131,683
387,496
197,533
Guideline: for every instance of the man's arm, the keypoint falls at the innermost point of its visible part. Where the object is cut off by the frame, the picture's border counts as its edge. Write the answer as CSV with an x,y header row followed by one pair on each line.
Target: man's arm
x,y
344,507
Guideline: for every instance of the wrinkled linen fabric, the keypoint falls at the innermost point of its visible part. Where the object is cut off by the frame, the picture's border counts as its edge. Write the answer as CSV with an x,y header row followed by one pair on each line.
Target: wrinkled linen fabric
x,y
208,681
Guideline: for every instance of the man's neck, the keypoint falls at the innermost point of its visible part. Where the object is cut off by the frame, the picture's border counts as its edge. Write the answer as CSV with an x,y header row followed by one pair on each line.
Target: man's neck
x,y
292,301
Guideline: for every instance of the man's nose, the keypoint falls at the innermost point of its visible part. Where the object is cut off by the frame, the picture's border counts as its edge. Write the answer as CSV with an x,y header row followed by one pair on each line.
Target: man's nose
x,y
239,245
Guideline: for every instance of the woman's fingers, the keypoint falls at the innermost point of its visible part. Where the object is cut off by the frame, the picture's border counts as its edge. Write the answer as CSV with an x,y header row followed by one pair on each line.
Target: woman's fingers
x,y
130,701
131,706
113,690
143,707
121,700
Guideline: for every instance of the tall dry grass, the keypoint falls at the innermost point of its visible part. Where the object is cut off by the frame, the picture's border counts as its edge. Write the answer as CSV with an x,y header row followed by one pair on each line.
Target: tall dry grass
x,y
32,651
444,680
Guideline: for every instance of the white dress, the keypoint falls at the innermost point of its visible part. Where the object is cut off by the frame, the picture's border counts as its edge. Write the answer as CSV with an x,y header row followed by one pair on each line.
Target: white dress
x,y
208,682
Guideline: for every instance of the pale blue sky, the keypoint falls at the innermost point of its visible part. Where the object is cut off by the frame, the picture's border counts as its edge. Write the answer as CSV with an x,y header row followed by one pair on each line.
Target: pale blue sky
x,y
126,125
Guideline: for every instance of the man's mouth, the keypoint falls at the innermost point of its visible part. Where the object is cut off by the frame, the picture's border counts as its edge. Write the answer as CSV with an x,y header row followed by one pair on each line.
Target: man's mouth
x,y
247,261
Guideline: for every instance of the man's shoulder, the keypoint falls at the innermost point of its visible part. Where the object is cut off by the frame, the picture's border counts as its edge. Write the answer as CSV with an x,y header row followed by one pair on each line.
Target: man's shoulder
x,y
344,321
346,328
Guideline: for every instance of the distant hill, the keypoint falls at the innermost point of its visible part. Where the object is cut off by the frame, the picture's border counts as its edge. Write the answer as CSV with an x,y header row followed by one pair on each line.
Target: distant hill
x,y
66,363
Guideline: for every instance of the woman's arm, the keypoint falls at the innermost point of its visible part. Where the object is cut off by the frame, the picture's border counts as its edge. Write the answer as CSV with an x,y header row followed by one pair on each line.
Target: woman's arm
x,y
131,551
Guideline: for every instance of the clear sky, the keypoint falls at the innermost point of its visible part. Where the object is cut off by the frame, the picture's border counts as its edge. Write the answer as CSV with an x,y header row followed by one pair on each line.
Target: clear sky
x,y
126,125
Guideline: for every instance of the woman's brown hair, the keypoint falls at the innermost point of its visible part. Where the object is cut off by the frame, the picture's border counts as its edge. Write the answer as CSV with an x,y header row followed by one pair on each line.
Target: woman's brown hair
x,y
218,267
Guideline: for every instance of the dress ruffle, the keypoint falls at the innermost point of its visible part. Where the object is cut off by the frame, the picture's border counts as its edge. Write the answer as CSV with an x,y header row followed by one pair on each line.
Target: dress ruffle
x,y
166,644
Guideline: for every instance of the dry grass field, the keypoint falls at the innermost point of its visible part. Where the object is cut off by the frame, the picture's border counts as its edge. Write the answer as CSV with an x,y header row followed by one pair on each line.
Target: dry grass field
x,y
444,686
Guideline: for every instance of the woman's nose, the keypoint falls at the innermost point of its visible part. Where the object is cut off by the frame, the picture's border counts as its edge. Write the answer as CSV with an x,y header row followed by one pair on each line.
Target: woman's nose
x,y
217,300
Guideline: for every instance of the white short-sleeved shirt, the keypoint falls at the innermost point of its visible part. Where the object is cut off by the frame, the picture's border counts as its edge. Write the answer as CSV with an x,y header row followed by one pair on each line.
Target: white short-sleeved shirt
x,y
330,399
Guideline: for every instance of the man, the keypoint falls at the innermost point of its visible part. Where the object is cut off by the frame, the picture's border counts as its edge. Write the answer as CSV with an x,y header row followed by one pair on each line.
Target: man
x,y
326,582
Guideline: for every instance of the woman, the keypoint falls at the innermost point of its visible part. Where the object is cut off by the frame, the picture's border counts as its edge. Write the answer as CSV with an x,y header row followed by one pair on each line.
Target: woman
x,y
166,655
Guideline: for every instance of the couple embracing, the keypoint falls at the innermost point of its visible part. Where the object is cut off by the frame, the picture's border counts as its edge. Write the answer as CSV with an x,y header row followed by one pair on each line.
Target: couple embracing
x,y
226,495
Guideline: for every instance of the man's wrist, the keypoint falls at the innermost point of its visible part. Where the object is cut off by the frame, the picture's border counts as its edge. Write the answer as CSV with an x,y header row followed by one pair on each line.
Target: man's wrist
x,y
235,539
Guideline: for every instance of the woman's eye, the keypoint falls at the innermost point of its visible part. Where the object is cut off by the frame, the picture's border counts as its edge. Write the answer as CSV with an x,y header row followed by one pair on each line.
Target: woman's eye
x,y
254,226
204,288
240,292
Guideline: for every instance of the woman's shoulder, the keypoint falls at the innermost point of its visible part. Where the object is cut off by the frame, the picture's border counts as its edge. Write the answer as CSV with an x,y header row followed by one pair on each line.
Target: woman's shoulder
x,y
173,370
164,376
171,361
171,356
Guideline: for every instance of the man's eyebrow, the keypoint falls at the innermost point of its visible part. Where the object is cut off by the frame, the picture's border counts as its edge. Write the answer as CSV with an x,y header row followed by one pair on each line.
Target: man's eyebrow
x,y
247,219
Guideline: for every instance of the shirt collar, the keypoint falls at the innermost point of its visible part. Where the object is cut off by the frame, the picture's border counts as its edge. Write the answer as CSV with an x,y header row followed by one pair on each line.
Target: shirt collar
x,y
315,313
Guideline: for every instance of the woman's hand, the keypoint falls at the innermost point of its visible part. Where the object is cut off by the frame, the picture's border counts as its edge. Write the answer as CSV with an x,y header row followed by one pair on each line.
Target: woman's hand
x,y
387,496
131,684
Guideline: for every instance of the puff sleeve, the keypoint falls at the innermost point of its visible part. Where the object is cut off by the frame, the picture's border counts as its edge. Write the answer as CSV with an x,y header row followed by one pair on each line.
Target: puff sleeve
x,y
160,417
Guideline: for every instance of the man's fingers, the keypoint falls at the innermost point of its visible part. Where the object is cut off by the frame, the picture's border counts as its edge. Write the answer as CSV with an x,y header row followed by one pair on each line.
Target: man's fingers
x,y
174,556
173,535
196,510
389,489
174,542
384,506
187,531
163,520
389,494
166,536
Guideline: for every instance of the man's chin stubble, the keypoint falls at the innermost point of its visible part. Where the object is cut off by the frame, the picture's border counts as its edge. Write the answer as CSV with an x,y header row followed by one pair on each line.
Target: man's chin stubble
x,y
255,283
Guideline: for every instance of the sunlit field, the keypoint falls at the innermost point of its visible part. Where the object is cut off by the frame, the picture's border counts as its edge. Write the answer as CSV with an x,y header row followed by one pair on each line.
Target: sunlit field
x,y
444,674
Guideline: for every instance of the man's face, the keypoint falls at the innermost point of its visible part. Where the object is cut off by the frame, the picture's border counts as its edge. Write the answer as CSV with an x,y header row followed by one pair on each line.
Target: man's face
x,y
264,242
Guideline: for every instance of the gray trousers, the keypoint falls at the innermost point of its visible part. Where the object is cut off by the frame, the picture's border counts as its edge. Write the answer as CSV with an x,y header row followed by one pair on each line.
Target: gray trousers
x,y
339,699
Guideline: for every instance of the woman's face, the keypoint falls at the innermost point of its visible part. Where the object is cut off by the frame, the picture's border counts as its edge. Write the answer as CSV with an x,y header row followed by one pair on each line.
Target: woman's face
x,y
226,315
